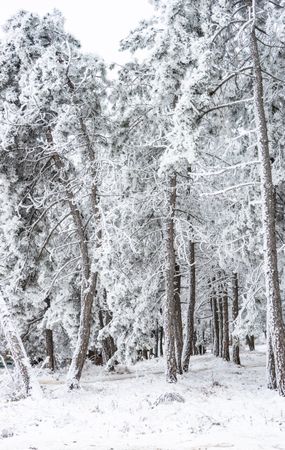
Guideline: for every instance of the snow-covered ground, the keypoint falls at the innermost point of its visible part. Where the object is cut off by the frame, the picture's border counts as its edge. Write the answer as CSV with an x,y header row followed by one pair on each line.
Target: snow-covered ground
x,y
225,407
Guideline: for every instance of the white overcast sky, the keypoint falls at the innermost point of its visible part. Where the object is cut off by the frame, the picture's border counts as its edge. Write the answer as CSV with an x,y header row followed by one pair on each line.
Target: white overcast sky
x,y
98,24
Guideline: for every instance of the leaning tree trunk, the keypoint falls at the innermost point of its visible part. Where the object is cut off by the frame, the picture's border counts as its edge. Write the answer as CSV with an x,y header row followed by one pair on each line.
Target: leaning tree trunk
x,y
79,356
226,337
88,281
29,385
169,307
189,338
236,357
88,290
88,286
274,308
178,320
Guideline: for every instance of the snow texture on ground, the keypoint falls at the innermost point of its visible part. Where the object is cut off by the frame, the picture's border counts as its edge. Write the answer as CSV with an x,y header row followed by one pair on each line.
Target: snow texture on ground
x,y
224,407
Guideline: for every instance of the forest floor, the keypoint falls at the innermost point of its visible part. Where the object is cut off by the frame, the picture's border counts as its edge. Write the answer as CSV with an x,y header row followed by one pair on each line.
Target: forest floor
x,y
224,407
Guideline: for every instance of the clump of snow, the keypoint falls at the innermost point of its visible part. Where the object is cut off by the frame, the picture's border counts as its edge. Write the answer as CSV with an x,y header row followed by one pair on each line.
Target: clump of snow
x,y
169,397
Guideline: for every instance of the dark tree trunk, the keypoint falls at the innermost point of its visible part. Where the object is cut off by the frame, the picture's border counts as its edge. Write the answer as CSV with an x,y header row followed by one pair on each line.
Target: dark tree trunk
x,y
236,357
274,307
81,349
189,338
216,328
226,337
88,281
250,342
221,324
195,348
161,341
50,350
156,335
212,328
178,320
169,307
270,365
108,345
144,353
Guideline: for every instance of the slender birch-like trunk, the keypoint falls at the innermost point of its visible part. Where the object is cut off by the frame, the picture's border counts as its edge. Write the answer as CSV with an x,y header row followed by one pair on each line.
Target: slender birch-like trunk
x,y
274,307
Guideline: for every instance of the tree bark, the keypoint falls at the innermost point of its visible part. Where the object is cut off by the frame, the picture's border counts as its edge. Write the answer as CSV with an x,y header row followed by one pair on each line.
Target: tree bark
x,y
216,328
270,366
236,357
156,335
23,368
250,342
178,320
88,288
169,307
108,345
80,352
161,341
274,307
88,282
226,337
189,338
50,349
221,323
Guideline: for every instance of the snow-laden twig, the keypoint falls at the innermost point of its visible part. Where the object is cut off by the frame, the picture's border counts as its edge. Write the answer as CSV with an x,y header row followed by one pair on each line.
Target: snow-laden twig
x,y
223,191
224,169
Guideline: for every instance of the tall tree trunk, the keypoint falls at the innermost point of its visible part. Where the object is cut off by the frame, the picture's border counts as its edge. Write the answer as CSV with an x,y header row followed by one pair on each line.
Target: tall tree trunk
x,y
156,335
50,349
178,320
226,337
88,287
270,365
88,283
169,307
221,323
161,341
274,308
23,368
212,327
216,327
189,338
236,357
108,345
80,353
